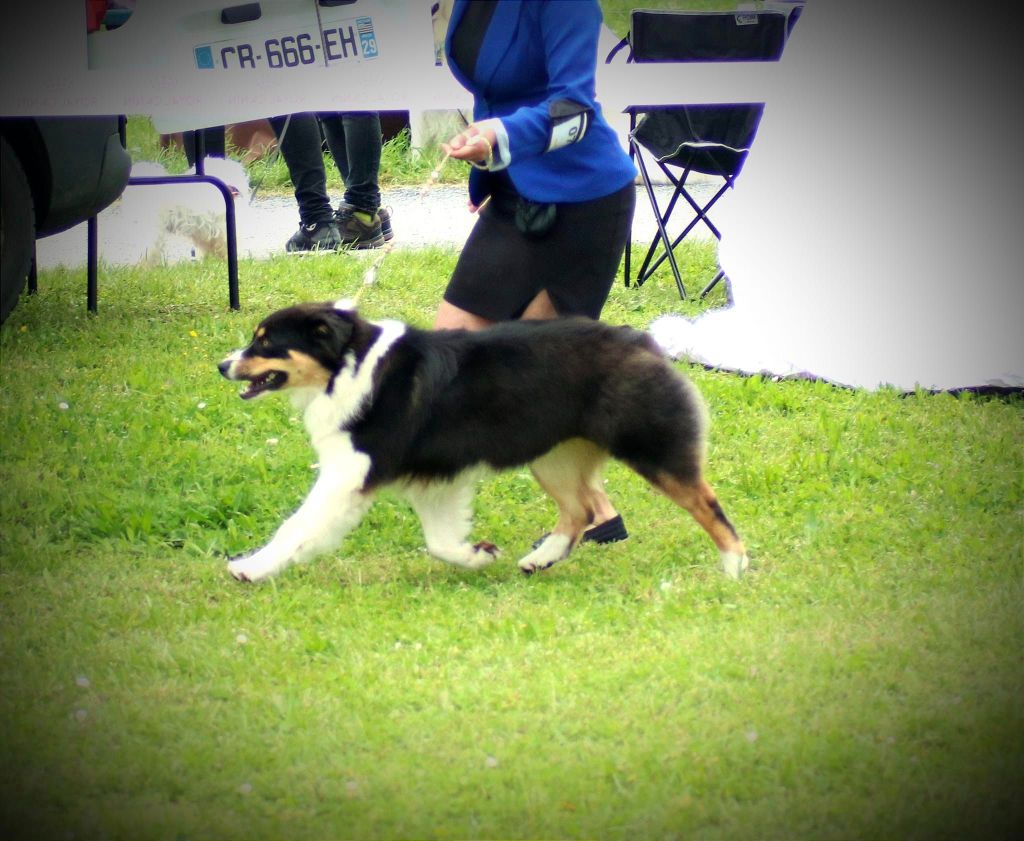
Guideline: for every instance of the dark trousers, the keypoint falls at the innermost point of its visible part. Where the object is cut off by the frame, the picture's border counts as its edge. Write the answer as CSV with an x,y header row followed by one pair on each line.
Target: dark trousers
x,y
213,141
354,140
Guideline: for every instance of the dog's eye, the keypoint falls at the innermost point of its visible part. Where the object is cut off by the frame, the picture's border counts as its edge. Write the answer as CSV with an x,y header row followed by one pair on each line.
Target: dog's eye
x,y
263,342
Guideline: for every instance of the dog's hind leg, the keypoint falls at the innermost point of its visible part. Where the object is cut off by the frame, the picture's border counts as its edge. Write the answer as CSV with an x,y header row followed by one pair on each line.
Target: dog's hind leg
x,y
445,512
571,476
697,497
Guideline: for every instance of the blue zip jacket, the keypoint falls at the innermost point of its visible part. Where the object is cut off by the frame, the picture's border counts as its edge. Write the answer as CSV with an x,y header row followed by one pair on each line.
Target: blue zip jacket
x,y
535,71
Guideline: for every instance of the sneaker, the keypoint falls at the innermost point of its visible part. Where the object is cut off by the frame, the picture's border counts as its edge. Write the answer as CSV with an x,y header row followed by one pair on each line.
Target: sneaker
x,y
359,228
316,236
385,223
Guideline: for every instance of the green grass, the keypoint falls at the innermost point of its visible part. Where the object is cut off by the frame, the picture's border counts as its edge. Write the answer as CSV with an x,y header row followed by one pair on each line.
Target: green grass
x,y
863,681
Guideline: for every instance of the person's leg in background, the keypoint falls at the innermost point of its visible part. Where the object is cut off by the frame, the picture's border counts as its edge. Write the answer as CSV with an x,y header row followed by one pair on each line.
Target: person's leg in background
x,y
355,141
301,145
213,143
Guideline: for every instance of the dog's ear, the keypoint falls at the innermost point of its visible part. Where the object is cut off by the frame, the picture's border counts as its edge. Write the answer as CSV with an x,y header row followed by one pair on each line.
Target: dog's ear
x,y
333,331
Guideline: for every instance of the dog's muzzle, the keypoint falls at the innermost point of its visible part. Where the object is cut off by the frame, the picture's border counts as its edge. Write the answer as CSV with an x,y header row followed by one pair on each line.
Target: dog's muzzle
x,y
257,384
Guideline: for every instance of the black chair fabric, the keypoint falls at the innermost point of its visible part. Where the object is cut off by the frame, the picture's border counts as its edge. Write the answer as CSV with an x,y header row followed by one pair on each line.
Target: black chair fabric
x,y
709,139
665,35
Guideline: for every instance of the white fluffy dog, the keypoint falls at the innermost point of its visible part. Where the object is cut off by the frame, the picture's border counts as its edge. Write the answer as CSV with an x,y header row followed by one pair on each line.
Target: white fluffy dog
x,y
175,222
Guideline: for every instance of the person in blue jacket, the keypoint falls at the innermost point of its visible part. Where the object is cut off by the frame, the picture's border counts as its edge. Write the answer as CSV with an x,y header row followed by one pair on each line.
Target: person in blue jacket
x,y
552,185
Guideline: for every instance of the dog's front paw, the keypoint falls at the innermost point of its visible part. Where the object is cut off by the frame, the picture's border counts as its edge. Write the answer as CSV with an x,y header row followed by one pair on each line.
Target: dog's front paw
x,y
248,568
482,555
734,564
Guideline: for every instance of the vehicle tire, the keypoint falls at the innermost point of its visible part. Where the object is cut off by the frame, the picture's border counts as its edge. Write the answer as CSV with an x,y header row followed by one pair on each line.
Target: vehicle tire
x,y
17,229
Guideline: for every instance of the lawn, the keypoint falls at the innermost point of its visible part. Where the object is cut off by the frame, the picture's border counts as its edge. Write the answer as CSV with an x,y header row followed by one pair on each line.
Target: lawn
x,y
863,681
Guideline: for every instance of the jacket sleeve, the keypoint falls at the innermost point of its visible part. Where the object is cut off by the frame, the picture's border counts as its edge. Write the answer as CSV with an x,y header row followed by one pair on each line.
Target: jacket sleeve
x,y
569,34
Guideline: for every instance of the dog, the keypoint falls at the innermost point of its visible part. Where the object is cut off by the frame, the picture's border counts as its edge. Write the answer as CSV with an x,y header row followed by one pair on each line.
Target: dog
x,y
428,412
172,223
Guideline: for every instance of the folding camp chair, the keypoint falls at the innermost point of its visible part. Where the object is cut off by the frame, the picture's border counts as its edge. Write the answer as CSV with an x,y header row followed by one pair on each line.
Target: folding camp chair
x,y
709,139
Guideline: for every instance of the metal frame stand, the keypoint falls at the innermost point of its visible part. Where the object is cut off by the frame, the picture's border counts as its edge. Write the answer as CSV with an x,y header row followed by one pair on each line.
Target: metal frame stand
x,y
200,177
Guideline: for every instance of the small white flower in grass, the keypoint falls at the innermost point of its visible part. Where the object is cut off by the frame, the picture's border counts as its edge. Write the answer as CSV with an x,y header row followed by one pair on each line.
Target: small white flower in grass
x,y
81,715
241,639
491,762
63,406
201,405
82,681
245,788
666,586
751,736
273,442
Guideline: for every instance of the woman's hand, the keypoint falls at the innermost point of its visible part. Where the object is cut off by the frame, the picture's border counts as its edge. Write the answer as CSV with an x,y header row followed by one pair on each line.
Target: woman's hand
x,y
476,143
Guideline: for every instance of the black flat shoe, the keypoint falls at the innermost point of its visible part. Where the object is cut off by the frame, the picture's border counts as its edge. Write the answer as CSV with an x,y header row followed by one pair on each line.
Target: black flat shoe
x,y
610,531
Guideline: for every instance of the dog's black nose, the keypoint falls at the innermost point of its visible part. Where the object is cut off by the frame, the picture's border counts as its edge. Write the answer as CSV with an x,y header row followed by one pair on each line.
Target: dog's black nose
x,y
224,367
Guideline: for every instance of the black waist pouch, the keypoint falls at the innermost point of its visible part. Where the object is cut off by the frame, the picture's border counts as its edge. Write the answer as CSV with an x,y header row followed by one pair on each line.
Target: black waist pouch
x,y
533,219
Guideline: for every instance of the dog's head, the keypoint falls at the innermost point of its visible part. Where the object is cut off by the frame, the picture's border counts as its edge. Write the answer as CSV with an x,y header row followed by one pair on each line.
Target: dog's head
x,y
299,347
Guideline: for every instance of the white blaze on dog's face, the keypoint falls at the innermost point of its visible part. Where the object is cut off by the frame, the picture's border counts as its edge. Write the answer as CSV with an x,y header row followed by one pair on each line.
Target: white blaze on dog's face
x,y
298,347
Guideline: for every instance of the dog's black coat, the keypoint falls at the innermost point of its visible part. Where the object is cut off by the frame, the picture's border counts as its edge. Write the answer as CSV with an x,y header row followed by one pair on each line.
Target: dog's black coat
x,y
443,401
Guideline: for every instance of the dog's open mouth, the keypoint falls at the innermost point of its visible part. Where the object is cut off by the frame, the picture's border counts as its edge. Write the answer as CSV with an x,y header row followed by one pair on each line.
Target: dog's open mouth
x,y
269,381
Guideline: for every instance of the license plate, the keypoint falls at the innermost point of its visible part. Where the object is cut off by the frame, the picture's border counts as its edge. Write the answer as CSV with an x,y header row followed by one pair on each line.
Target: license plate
x,y
347,40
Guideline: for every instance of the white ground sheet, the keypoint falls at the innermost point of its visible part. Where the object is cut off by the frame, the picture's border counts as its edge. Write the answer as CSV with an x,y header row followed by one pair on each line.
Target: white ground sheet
x,y
876,234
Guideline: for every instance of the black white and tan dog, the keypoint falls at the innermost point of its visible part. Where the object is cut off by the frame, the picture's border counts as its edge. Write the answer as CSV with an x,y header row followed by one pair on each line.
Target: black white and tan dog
x,y
429,412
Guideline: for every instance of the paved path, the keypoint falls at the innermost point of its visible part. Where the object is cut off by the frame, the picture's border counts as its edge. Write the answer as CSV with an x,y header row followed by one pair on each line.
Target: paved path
x,y
436,217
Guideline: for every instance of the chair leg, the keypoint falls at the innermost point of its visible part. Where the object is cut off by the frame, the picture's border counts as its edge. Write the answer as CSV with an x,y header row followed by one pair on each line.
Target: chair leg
x,y
625,263
232,246
646,269
662,233
33,273
701,216
199,144
675,243
92,264
714,282
703,211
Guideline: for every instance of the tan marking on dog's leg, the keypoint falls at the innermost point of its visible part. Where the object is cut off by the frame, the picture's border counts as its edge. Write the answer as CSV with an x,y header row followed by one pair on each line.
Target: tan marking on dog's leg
x,y
600,506
700,500
570,475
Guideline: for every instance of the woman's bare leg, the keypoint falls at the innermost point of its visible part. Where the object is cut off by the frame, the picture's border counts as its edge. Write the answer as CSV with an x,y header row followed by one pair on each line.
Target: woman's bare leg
x,y
451,317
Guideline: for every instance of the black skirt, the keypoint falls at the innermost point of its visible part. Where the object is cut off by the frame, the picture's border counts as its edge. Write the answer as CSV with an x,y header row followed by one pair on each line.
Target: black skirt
x,y
502,269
